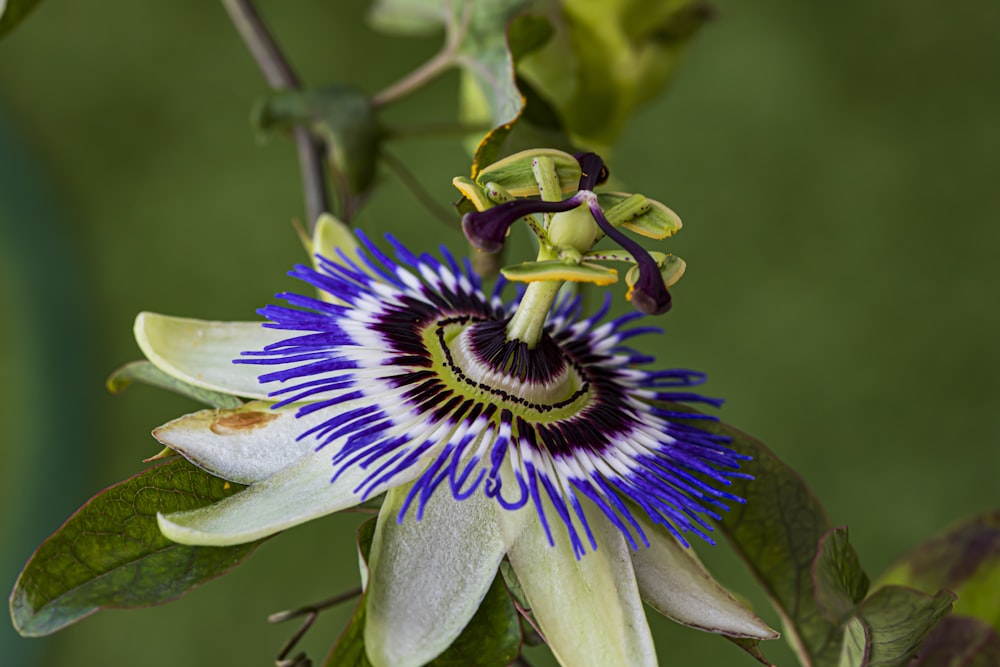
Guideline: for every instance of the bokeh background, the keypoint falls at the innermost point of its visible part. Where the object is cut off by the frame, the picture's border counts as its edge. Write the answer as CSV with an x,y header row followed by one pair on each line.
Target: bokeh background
x,y
835,165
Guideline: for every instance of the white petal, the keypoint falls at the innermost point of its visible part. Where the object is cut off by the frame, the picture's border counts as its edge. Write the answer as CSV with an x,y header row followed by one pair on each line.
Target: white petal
x,y
589,609
245,445
201,353
299,493
674,582
428,577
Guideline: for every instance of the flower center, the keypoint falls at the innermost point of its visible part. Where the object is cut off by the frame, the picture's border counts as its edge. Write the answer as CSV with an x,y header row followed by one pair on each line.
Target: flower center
x,y
507,372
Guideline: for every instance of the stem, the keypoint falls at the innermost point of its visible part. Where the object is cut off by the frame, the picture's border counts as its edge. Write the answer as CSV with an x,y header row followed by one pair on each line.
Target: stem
x,y
311,612
279,75
443,60
528,321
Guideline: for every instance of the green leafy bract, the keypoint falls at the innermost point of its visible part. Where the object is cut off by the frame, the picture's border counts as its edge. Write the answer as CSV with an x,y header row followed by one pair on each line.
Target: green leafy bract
x,y
111,554
964,559
491,639
147,373
13,12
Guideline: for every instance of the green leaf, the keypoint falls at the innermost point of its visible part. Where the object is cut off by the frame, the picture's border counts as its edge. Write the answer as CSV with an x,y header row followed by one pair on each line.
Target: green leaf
x,y
13,12
491,639
897,619
608,57
492,92
341,115
965,559
959,641
146,373
837,575
110,554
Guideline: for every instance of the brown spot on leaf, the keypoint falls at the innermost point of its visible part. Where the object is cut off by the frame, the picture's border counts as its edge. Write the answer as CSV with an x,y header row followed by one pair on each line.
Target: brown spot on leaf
x,y
239,422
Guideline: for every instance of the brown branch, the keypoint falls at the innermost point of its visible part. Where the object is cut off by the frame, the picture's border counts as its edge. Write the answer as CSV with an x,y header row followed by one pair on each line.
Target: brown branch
x,y
279,75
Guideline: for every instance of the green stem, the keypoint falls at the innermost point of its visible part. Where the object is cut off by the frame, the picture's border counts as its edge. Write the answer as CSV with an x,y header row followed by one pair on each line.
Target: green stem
x,y
528,321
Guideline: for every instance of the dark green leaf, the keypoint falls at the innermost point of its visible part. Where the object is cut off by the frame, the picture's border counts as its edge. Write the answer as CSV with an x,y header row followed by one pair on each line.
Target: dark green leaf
x,y
110,554
810,571
146,373
837,576
13,12
339,114
897,619
491,639
959,641
964,559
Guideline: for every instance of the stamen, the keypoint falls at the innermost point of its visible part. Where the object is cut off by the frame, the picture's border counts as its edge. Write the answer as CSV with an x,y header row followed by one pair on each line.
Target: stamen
x,y
594,171
649,294
487,230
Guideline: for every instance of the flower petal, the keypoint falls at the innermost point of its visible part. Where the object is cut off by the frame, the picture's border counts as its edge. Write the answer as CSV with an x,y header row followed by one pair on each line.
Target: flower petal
x,y
201,353
245,445
428,577
589,608
300,492
674,582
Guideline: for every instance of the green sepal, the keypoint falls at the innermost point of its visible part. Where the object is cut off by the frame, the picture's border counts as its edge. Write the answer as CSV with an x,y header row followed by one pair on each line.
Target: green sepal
x,y
671,268
646,217
491,639
516,173
555,269
12,12
472,193
146,373
339,114
111,554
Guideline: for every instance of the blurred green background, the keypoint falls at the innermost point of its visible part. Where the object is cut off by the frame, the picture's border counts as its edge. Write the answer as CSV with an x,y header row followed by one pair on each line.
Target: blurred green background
x,y
835,165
